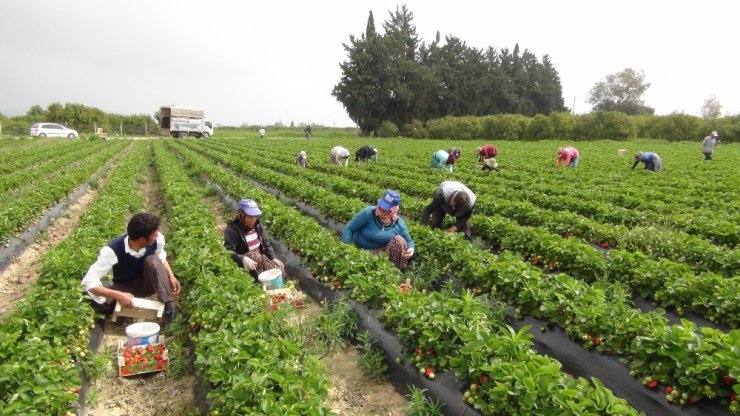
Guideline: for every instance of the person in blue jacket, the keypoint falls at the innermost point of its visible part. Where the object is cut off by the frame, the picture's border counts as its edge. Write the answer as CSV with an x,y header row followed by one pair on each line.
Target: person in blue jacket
x,y
651,160
378,228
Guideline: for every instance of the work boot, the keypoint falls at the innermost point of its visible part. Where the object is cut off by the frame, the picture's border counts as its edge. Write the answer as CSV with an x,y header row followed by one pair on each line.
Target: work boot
x,y
170,311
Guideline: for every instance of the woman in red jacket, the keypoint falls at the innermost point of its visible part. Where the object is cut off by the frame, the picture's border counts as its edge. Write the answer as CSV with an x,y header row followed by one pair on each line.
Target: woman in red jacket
x,y
569,156
487,154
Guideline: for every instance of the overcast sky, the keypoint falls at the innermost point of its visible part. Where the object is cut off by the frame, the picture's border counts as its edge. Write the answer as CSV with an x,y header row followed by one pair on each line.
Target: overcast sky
x,y
263,62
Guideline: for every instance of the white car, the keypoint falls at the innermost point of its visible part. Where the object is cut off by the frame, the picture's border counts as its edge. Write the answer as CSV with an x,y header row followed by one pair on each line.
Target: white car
x,y
52,130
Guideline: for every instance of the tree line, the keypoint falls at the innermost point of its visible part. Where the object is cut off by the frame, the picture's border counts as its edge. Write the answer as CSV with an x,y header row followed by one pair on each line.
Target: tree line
x,y
82,118
397,78
600,125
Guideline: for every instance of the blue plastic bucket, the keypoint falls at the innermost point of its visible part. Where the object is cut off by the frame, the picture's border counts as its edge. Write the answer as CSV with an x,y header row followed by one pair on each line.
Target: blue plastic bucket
x,y
272,277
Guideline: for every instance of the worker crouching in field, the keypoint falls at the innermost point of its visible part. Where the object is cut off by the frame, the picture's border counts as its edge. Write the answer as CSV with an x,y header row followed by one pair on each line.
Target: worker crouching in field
x,y
569,156
244,237
445,160
452,198
379,229
651,160
487,154
140,269
302,160
364,154
339,156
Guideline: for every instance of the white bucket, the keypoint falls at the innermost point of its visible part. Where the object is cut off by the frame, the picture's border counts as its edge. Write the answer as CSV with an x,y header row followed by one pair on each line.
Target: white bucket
x,y
272,277
142,333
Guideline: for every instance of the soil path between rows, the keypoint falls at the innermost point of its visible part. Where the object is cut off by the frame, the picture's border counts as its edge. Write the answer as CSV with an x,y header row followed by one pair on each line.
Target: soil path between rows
x,y
26,267
145,394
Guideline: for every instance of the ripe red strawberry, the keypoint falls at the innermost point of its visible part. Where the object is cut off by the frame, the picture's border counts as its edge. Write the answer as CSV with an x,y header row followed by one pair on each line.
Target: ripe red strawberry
x,y
298,303
418,350
728,380
668,389
604,245
430,352
733,397
596,340
483,379
428,371
691,399
652,384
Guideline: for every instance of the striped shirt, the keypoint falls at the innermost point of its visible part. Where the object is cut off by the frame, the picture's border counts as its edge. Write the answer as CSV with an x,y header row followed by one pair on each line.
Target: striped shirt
x,y
252,239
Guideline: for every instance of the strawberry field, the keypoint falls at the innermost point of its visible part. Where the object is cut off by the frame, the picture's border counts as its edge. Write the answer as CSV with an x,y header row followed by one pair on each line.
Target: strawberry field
x,y
594,290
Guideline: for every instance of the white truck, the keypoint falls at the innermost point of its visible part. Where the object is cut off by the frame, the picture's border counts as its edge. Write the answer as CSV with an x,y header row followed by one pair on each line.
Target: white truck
x,y
183,122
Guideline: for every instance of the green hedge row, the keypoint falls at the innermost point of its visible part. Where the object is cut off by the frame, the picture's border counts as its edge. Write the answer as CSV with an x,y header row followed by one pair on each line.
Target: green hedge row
x,y
565,126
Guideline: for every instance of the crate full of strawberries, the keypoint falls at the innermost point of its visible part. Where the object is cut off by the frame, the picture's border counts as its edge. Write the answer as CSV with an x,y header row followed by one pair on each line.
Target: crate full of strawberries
x,y
140,359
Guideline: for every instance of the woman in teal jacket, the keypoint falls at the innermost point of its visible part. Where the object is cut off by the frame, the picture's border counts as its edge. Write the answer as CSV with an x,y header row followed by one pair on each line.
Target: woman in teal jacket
x,y
378,228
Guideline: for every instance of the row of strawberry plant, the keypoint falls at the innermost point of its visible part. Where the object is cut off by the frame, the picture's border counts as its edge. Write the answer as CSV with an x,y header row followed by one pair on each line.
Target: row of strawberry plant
x,y
657,243
528,174
717,227
710,226
601,312
671,284
18,212
33,152
682,190
253,362
371,279
33,173
47,333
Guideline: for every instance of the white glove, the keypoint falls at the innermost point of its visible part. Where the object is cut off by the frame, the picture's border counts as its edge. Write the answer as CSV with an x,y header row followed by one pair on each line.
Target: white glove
x,y
248,263
408,253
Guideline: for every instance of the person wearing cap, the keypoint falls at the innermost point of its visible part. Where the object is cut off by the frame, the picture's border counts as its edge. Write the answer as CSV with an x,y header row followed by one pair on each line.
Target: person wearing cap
x,y
707,145
139,268
378,228
487,154
651,160
453,198
339,156
364,153
302,160
244,236
307,132
569,156
262,133
445,159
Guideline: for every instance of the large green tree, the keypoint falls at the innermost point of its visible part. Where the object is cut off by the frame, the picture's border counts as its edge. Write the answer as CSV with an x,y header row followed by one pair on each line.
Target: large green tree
x,y
621,92
396,77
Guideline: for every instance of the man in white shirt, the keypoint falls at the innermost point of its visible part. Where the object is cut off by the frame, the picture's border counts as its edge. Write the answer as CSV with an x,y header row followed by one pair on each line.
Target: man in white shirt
x,y
262,133
139,266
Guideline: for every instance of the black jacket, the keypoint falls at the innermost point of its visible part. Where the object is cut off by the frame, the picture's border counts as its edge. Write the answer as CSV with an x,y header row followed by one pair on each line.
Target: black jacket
x,y
364,153
234,241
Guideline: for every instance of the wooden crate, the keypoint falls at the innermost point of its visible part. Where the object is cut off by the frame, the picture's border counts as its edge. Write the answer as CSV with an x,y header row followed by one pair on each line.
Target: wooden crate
x,y
145,309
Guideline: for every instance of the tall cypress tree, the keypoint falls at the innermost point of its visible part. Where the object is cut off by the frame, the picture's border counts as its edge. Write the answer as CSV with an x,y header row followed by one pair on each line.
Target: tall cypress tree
x,y
361,88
